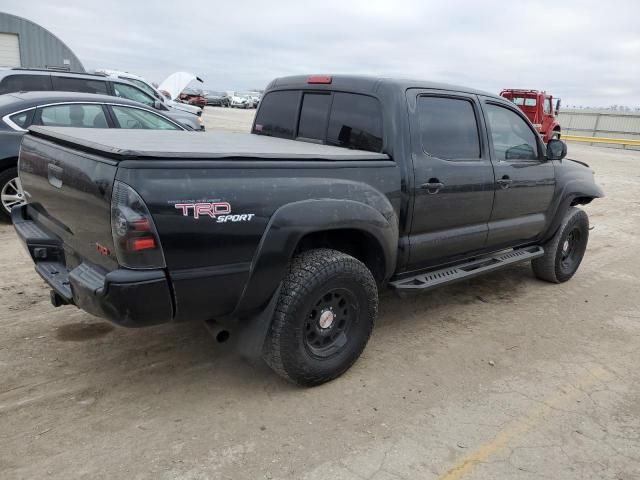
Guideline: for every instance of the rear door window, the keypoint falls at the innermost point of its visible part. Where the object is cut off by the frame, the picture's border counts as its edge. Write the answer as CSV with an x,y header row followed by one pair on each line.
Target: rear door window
x,y
25,83
277,114
355,122
132,93
129,117
313,116
75,115
448,128
85,85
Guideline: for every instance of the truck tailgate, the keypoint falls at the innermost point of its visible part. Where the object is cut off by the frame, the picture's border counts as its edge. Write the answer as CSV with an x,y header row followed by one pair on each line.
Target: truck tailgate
x,y
69,194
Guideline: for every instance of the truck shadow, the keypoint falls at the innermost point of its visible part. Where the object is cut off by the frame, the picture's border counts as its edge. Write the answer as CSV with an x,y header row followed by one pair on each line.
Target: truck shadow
x,y
173,354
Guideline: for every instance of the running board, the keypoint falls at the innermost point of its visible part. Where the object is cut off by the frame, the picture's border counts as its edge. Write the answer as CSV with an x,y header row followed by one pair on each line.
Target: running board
x,y
437,278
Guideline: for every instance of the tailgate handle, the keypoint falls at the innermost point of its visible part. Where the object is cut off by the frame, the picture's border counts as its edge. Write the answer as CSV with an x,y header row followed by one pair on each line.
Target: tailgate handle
x,y
55,175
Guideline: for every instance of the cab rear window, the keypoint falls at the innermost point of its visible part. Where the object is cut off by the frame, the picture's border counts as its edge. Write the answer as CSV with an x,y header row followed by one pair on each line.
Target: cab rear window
x,y
355,122
334,118
277,114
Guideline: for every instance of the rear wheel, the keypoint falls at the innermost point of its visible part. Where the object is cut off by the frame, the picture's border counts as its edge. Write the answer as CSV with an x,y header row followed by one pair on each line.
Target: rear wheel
x,y
323,318
11,192
564,252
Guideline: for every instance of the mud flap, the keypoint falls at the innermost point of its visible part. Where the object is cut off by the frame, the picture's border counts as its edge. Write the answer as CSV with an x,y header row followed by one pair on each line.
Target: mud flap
x,y
252,332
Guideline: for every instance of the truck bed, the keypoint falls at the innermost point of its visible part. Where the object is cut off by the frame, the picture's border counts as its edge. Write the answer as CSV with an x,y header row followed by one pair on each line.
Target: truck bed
x,y
121,144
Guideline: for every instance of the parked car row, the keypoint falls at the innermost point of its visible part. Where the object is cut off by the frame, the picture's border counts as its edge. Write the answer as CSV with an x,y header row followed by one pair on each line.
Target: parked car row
x,y
61,99
234,100
218,99
18,79
245,100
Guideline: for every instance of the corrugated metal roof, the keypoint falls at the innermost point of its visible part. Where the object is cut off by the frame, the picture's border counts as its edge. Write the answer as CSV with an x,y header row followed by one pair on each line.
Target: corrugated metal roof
x,y
39,48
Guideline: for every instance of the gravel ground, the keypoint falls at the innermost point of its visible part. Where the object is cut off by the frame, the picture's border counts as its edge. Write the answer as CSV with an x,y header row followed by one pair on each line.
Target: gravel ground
x,y
502,376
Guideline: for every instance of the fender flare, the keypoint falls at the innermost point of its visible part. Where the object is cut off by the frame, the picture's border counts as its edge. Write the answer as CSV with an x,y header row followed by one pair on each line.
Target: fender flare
x,y
571,190
291,222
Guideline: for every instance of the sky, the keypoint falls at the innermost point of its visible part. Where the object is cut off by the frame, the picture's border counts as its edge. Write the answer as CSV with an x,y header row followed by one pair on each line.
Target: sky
x,y
586,52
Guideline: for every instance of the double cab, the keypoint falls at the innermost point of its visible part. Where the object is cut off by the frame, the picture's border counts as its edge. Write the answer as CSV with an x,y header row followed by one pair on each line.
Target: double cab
x,y
284,236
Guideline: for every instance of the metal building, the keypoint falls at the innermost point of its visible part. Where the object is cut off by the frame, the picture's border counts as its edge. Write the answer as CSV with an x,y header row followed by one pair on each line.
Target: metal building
x,y
28,45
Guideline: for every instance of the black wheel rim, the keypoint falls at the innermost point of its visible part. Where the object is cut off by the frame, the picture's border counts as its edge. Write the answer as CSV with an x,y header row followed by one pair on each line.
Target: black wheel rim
x,y
328,323
571,250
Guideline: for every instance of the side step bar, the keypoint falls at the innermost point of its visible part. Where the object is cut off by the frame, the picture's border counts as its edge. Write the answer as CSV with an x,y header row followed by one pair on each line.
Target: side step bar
x,y
437,278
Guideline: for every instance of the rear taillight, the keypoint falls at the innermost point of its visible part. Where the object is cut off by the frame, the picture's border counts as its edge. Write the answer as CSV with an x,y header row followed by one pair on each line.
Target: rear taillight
x,y
135,237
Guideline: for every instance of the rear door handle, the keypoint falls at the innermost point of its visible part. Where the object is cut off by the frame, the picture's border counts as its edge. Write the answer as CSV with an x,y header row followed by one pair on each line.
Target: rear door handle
x,y
432,187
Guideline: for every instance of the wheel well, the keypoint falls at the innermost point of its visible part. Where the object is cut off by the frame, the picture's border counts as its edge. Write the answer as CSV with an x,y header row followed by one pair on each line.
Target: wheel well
x,y
581,201
357,243
9,162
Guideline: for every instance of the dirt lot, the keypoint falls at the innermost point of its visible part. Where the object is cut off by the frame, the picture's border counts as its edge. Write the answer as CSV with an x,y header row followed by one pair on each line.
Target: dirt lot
x,y
499,377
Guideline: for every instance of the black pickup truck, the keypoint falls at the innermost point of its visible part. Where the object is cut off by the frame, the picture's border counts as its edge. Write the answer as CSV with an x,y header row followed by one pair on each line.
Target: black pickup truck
x,y
372,183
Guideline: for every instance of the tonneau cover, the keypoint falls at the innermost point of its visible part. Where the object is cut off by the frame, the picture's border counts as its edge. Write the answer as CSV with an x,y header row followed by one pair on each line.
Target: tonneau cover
x,y
121,144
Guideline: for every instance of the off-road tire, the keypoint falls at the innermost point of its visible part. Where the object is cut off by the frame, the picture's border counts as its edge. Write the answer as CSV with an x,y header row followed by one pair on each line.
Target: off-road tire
x,y
552,266
313,275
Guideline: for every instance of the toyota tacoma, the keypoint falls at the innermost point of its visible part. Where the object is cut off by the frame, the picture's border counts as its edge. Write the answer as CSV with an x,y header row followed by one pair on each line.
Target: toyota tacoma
x,y
285,235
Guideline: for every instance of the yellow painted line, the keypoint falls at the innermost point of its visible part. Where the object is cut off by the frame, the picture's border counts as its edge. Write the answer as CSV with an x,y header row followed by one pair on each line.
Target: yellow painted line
x,y
521,425
615,141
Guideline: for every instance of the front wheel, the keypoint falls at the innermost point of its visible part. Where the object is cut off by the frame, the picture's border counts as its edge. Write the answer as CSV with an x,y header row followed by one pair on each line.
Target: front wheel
x,y
11,192
564,252
323,319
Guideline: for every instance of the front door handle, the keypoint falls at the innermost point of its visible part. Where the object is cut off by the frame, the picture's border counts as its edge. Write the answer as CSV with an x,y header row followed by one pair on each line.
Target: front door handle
x,y
505,181
432,186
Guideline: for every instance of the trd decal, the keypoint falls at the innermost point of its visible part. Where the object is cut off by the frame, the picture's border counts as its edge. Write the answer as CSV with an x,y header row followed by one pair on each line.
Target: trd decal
x,y
221,211
210,209
102,250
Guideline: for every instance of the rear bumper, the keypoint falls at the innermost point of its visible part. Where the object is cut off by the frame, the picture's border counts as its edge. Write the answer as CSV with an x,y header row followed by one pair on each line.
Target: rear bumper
x,y
131,298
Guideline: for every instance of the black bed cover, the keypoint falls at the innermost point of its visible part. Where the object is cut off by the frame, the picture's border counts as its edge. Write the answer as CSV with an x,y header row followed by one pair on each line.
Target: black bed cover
x,y
123,144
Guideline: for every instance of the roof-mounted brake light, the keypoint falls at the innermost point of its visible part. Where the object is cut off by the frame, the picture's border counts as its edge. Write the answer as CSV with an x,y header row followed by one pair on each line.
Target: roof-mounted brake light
x,y
319,79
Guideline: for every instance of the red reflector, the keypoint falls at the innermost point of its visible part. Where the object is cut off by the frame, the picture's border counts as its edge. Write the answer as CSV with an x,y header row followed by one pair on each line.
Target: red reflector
x,y
141,225
137,244
319,79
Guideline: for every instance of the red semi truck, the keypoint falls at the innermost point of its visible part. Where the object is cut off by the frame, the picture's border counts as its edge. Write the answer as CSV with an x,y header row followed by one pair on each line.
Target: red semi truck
x,y
538,106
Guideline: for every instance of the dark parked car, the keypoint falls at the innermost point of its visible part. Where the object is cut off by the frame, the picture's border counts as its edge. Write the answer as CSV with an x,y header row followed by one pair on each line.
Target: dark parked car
x,y
19,111
24,80
193,96
218,99
286,241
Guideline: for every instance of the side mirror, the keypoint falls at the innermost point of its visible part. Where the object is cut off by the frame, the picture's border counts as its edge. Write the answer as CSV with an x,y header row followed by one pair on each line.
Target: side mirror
x,y
557,106
556,149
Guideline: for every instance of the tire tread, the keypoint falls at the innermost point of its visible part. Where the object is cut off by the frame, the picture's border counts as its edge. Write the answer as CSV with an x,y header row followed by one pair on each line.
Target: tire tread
x,y
307,269
545,267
